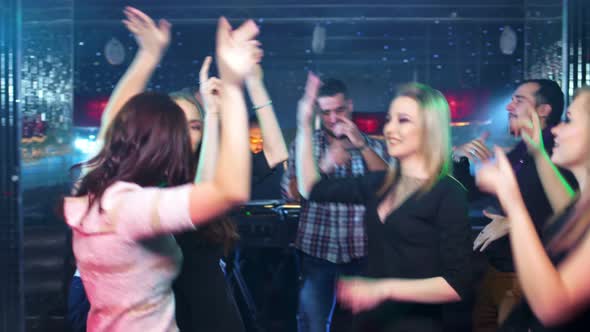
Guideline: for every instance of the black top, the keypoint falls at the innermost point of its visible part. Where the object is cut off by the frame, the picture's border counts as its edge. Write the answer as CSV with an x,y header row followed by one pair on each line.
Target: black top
x,y
499,253
204,301
266,181
427,236
523,319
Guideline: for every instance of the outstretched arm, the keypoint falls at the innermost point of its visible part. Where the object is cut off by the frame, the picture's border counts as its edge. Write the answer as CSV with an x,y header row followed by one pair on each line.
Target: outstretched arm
x,y
153,39
237,53
210,91
275,149
555,293
307,170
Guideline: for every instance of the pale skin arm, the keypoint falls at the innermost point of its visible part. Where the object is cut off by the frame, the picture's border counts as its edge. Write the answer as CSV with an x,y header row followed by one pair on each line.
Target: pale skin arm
x,y
373,160
237,53
153,39
555,293
306,165
361,294
209,89
275,148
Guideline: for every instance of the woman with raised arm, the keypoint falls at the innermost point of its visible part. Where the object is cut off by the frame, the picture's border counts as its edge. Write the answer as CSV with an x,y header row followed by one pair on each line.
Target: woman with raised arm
x,y
122,218
153,40
553,272
416,216
201,292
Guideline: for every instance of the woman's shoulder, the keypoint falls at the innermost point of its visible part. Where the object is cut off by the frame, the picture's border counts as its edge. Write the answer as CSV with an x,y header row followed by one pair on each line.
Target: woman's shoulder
x,y
375,179
450,185
78,209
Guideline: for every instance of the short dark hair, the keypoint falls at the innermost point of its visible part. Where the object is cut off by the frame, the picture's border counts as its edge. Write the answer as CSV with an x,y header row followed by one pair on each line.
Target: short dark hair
x,y
332,87
549,93
253,120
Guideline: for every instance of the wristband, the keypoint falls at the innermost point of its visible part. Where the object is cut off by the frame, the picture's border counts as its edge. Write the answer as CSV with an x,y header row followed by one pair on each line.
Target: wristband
x,y
256,108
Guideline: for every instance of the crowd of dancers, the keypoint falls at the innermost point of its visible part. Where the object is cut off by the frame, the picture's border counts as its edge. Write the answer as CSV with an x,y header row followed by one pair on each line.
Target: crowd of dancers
x,y
384,226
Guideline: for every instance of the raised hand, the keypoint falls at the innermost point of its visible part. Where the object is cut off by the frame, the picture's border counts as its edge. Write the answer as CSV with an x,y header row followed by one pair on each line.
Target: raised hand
x,y
209,87
530,131
237,51
497,228
152,38
305,108
475,150
360,294
497,177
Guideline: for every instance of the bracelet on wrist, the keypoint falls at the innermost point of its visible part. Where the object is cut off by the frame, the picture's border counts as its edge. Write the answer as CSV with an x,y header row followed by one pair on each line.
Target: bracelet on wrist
x,y
257,107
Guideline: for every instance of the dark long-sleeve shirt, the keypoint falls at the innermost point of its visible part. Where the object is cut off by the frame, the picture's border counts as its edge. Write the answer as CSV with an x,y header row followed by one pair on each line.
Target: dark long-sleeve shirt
x,y
427,236
535,199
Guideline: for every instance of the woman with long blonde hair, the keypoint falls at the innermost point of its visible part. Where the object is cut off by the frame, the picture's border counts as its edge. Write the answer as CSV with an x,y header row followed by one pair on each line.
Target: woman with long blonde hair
x,y
416,215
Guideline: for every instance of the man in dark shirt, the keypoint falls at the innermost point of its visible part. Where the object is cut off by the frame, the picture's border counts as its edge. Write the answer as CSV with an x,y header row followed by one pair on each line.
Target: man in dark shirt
x,y
266,178
499,290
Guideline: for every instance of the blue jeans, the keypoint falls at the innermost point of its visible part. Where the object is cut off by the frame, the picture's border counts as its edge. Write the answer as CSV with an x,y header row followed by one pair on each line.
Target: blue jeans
x,y
317,290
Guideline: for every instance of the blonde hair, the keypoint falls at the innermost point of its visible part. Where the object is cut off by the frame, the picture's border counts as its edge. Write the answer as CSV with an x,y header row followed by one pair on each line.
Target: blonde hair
x,y
189,95
436,134
579,221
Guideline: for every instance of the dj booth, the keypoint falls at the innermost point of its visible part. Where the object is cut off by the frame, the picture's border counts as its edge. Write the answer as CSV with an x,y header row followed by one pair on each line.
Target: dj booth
x,y
263,272
267,224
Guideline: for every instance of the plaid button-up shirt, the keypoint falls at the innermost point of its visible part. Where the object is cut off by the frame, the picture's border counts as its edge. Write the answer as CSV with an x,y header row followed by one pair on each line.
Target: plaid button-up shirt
x,y
332,231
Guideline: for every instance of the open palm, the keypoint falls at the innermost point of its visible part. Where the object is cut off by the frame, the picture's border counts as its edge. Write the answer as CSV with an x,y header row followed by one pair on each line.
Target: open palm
x,y
150,37
237,51
497,177
305,107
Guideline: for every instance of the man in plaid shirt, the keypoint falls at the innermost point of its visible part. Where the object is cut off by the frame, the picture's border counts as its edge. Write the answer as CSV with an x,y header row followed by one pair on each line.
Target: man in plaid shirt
x,y
331,239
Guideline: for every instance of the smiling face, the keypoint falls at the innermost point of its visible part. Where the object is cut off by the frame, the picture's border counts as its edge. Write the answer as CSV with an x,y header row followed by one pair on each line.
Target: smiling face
x,y
571,149
403,130
333,109
523,99
194,120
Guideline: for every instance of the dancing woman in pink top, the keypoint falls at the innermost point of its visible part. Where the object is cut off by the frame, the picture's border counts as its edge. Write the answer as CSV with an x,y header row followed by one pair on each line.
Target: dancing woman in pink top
x,y
123,220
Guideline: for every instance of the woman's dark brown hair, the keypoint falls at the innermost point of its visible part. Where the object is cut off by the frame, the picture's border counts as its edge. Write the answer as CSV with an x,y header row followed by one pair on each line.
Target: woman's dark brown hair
x,y
146,144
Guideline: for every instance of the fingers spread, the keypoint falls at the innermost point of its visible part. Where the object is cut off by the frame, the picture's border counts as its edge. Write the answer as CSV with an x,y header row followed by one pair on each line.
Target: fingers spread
x,y
131,27
140,16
